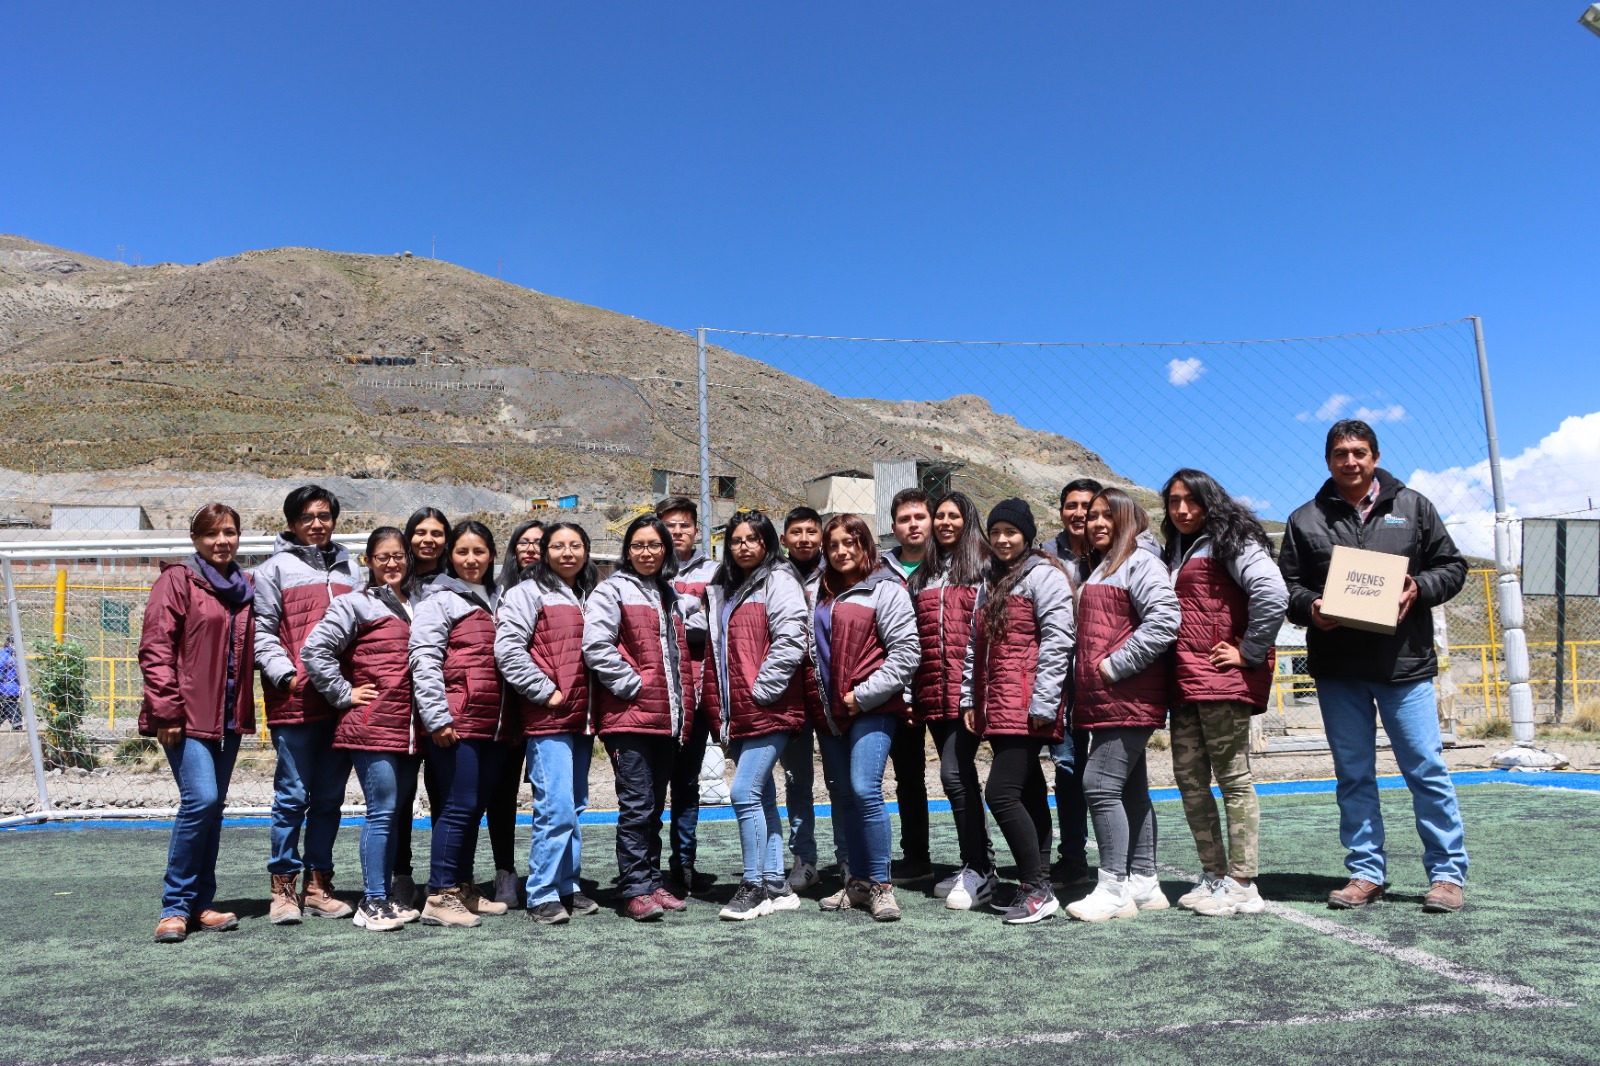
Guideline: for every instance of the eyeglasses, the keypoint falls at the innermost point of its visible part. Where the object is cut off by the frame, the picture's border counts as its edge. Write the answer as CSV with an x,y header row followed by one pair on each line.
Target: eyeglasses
x,y
646,549
386,559
525,544
745,542
315,516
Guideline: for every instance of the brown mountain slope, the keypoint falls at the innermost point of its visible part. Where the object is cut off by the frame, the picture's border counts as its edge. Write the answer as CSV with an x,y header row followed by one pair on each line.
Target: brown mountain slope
x,y
247,365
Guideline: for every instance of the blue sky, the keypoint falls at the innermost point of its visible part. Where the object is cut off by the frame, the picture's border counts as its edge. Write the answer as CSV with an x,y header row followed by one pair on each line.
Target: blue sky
x,y
1068,171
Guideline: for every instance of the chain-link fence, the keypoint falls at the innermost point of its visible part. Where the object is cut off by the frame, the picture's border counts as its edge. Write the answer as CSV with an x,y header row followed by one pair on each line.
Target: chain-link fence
x,y
838,423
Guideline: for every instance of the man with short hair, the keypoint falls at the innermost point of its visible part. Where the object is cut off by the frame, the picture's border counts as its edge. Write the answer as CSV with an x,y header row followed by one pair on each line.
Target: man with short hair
x,y
1071,546
912,514
1364,506
697,771
802,541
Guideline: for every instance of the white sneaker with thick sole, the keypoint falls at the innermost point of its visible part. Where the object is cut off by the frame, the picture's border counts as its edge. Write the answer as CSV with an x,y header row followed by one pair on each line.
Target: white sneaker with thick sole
x,y
1110,899
1202,888
1146,892
1231,897
971,891
942,889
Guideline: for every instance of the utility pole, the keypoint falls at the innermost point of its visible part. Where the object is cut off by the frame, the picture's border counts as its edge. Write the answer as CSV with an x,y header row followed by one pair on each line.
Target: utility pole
x,y
433,252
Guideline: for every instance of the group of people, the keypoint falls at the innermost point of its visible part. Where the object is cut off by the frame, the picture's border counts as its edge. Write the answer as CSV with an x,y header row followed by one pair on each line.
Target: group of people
x,y
800,641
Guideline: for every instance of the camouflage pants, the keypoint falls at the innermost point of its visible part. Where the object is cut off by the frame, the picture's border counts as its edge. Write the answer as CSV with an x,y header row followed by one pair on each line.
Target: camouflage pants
x,y
1214,738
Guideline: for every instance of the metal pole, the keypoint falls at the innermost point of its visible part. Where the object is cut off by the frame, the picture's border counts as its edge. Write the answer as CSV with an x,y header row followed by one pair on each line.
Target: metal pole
x,y
705,446
1561,612
59,627
28,716
1520,693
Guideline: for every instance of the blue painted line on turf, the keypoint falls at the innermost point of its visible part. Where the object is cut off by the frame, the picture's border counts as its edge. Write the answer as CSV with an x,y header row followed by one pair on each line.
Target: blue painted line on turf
x,y
1570,780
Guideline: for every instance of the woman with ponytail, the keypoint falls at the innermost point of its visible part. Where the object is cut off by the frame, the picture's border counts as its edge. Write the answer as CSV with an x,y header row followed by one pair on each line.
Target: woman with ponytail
x,y
1127,622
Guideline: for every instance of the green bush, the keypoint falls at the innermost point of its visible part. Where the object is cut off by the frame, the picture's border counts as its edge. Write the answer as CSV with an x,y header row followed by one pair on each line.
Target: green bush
x,y
1492,729
136,750
61,698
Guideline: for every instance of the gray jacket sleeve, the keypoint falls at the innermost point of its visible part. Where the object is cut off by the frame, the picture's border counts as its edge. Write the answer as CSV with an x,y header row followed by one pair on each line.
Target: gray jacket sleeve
x,y
513,630
1151,594
1058,634
897,628
430,633
970,661
602,621
1267,597
786,625
327,641
272,658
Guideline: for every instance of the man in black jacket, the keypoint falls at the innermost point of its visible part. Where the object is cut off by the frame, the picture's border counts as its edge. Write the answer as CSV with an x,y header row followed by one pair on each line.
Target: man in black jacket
x,y
1362,506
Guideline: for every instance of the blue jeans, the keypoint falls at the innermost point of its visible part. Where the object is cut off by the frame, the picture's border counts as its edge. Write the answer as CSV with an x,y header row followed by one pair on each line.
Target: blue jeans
x,y
307,787
1411,720
203,769
853,765
1072,811
466,771
558,770
755,804
379,773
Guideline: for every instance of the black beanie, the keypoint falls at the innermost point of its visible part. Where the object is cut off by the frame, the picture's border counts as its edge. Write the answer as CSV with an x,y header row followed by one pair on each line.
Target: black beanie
x,y
1018,513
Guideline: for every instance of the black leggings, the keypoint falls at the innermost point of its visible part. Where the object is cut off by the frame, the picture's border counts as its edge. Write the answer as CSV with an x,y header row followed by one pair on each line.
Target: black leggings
x,y
958,773
908,752
1020,802
502,812
405,805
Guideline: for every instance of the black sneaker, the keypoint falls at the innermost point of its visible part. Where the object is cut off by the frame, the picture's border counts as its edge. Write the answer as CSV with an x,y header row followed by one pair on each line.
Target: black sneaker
x,y
579,905
378,914
686,881
1065,873
747,903
548,913
905,870
1034,903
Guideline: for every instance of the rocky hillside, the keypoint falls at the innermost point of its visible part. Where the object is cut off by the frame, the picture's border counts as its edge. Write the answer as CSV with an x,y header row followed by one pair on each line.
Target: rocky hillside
x,y
298,362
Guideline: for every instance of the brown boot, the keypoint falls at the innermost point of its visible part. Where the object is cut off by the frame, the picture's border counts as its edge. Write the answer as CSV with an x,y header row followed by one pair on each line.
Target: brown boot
x,y
286,908
213,921
477,903
445,907
1444,897
1358,893
173,930
320,900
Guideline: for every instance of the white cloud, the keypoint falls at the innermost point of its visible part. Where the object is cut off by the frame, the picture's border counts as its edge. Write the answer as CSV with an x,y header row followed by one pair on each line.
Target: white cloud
x,y
1391,413
1181,372
1330,410
1258,506
1560,473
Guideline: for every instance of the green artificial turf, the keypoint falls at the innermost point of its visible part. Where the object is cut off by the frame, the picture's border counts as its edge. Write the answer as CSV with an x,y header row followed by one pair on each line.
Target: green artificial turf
x,y
82,981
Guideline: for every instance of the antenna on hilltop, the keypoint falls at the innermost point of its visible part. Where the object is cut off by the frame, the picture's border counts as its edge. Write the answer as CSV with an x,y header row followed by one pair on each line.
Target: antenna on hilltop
x,y
120,248
434,253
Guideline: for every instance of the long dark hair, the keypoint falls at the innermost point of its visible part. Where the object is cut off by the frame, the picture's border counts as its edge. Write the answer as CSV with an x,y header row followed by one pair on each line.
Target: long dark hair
x,y
510,572
377,537
729,575
856,530
1231,525
1128,520
475,529
965,563
669,564
584,581
419,516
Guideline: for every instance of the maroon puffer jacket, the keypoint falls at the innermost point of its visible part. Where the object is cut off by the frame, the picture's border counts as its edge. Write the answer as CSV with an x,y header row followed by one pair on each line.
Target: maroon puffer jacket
x,y
471,682
873,651
557,650
637,644
183,655
1215,610
1106,620
453,675
293,589
944,625
753,684
378,657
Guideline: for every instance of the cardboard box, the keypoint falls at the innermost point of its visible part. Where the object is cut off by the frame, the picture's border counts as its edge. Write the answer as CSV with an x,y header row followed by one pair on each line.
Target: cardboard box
x,y
1363,589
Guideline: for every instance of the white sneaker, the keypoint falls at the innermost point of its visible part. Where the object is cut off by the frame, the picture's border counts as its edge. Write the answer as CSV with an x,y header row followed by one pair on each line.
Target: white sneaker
x,y
1202,888
1146,892
971,890
1110,899
1230,897
803,876
942,889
